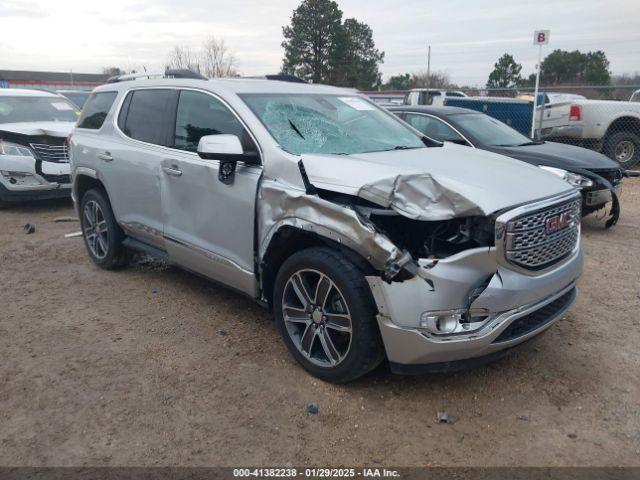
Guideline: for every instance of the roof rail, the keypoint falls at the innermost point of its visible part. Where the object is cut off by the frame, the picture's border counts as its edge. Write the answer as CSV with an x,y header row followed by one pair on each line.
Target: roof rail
x,y
282,77
169,73
183,73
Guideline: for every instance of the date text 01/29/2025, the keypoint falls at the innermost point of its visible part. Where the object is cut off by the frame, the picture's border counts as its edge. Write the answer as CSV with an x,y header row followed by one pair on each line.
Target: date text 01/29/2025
x,y
315,473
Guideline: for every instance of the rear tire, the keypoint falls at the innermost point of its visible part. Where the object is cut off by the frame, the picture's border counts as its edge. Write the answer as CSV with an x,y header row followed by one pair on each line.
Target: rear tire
x,y
326,314
623,147
102,235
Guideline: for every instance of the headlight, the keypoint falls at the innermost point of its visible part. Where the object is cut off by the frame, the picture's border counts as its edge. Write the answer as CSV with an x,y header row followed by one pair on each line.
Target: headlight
x,y
8,148
574,179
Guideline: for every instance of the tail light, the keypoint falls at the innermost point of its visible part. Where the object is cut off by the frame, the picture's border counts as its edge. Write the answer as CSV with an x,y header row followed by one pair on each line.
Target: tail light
x,y
575,113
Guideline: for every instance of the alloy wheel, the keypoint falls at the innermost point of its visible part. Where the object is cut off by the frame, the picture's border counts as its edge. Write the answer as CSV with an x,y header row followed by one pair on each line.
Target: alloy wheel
x,y
95,230
317,318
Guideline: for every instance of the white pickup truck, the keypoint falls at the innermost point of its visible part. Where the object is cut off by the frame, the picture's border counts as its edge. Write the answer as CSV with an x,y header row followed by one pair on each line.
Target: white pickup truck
x,y
612,127
430,96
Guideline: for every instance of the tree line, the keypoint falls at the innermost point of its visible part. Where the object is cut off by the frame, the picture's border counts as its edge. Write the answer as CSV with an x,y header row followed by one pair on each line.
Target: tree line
x,y
560,67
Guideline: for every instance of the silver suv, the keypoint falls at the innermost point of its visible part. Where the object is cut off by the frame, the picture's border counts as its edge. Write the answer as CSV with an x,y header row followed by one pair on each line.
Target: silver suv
x,y
366,240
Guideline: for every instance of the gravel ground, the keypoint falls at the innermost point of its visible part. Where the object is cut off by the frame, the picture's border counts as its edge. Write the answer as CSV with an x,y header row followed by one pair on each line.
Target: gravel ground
x,y
154,366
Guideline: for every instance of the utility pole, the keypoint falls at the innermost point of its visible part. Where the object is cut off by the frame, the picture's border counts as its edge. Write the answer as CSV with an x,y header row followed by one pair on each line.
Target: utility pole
x,y
540,38
429,67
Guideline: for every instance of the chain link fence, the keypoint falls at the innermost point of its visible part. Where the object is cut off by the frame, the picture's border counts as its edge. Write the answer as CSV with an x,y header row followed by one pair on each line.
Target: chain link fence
x,y
602,118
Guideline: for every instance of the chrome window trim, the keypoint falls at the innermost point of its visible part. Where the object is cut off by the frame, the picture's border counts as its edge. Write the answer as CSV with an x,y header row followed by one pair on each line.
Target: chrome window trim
x,y
501,230
124,136
409,112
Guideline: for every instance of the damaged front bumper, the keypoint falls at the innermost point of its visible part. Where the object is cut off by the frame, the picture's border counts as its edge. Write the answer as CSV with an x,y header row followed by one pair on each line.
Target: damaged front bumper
x,y
506,308
39,190
24,181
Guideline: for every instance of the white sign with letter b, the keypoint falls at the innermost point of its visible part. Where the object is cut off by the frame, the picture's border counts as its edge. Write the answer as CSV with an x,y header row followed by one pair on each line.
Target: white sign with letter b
x,y
541,37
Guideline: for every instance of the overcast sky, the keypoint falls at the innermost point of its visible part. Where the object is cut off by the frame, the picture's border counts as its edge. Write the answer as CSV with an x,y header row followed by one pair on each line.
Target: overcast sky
x,y
467,36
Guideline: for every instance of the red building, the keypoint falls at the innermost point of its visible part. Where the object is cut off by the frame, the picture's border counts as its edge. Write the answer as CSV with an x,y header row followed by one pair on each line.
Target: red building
x,y
51,80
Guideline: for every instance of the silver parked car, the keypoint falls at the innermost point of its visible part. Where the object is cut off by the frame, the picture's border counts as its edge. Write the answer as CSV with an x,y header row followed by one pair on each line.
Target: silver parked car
x,y
366,239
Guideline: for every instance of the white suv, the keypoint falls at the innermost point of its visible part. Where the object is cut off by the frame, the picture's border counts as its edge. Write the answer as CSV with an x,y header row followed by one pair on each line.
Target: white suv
x,y
365,239
34,163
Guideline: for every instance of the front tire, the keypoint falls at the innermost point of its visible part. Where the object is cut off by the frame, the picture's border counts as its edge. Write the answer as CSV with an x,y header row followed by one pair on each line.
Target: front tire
x,y
623,147
327,316
102,235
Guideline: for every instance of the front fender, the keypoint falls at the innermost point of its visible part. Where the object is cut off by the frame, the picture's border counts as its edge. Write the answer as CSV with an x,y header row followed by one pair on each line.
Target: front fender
x,y
281,206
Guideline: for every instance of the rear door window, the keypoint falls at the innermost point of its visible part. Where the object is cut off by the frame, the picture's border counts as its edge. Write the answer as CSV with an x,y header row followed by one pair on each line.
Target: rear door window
x,y
96,109
145,119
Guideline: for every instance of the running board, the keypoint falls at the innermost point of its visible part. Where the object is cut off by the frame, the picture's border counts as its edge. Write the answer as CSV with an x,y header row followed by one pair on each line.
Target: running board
x,y
139,246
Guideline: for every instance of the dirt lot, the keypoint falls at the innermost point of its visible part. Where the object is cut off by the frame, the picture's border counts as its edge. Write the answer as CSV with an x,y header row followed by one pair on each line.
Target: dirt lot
x,y
154,366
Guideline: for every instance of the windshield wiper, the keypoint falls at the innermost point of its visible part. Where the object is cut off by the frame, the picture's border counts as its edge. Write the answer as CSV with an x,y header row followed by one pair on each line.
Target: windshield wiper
x,y
295,129
402,147
397,147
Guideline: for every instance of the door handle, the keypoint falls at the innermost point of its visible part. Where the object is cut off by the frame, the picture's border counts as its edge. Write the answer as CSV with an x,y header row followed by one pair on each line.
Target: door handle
x,y
172,171
106,156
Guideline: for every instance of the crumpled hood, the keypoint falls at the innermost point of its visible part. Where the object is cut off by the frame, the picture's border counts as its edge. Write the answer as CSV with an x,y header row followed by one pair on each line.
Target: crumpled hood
x,y
559,155
434,183
54,129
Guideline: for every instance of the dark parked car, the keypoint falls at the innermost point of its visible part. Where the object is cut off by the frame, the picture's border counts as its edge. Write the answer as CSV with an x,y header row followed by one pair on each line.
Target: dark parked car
x,y
77,97
599,178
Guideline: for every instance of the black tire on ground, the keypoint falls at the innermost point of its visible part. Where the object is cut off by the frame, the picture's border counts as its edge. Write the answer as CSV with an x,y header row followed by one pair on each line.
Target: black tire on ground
x,y
116,255
614,146
365,350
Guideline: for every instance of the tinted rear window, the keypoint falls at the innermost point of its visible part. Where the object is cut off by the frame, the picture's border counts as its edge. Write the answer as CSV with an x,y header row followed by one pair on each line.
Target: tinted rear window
x,y
144,119
96,110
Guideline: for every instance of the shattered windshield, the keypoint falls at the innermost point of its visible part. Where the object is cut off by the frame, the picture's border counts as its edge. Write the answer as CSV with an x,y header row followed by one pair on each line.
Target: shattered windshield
x,y
330,124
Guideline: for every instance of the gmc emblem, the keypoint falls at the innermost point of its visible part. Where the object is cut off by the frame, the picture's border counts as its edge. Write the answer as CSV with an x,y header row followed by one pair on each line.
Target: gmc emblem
x,y
558,222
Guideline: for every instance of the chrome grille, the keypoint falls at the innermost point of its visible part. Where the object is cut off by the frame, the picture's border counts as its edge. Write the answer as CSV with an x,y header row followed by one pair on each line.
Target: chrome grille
x,y
529,245
51,153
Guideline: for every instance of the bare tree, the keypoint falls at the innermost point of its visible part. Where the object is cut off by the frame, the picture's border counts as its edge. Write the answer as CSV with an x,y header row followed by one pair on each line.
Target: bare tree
x,y
434,80
113,71
183,58
217,59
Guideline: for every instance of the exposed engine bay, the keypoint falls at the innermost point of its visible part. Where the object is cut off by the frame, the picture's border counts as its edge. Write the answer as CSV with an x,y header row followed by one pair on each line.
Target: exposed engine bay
x,y
422,239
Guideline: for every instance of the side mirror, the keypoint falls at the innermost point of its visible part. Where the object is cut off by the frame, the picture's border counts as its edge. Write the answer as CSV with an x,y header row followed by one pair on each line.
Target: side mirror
x,y
228,150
